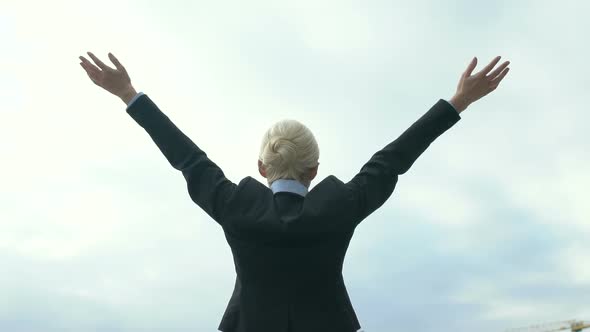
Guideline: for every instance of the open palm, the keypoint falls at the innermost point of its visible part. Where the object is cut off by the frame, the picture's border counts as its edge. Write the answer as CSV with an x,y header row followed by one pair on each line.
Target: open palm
x,y
473,87
115,81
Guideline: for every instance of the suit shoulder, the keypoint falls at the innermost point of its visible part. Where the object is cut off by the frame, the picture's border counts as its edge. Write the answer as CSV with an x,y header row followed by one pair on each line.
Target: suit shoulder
x,y
253,187
249,190
335,179
250,181
328,185
245,180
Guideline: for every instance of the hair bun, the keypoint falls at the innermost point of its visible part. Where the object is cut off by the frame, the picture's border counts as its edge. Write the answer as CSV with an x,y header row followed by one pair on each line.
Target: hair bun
x,y
285,149
288,150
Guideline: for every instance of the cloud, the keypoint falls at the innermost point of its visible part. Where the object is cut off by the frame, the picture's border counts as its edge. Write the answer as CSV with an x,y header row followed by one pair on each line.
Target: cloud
x,y
487,231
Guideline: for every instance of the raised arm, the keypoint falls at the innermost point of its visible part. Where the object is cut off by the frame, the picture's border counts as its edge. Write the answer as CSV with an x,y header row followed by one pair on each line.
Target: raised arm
x,y
375,182
206,182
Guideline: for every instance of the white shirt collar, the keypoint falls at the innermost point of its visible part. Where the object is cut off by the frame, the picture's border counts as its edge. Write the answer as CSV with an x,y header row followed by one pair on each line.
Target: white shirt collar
x,y
289,185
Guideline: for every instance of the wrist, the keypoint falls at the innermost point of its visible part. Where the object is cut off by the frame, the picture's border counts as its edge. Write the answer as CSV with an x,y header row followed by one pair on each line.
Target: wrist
x,y
128,94
459,102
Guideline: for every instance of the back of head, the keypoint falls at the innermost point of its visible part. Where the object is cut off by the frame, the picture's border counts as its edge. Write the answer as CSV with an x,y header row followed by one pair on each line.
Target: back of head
x,y
288,151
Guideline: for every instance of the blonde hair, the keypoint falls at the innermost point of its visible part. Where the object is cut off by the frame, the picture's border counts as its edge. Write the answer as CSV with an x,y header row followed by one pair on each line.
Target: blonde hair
x,y
288,151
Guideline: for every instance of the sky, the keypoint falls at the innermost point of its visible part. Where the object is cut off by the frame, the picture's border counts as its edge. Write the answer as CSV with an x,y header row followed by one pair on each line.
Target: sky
x,y
489,229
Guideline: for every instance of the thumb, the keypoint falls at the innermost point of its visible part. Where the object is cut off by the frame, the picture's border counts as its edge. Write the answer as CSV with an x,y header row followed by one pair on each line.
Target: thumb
x,y
471,66
118,65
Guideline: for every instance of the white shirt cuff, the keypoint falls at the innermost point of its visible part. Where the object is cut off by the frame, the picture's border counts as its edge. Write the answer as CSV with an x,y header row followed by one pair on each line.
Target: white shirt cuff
x,y
139,94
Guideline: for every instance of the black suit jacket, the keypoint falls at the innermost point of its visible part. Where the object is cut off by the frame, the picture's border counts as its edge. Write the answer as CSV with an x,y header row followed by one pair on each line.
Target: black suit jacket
x,y
288,250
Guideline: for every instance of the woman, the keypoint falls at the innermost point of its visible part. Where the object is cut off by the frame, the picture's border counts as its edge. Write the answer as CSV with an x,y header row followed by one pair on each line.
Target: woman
x,y
289,243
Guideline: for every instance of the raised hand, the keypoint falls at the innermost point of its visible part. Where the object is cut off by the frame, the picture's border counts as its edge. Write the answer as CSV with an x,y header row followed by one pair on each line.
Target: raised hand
x,y
473,87
115,81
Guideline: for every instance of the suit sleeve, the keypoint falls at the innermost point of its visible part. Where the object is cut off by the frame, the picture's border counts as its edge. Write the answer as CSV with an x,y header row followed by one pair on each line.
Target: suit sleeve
x,y
207,185
375,182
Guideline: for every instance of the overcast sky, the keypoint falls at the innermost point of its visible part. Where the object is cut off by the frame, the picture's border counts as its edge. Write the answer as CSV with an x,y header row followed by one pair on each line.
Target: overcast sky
x,y
488,230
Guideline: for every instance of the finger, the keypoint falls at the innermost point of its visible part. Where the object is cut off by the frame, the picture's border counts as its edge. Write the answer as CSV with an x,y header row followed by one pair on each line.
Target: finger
x,y
471,66
118,64
93,77
86,67
91,70
92,73
489,67
88,63
498,70
499,78
98,62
